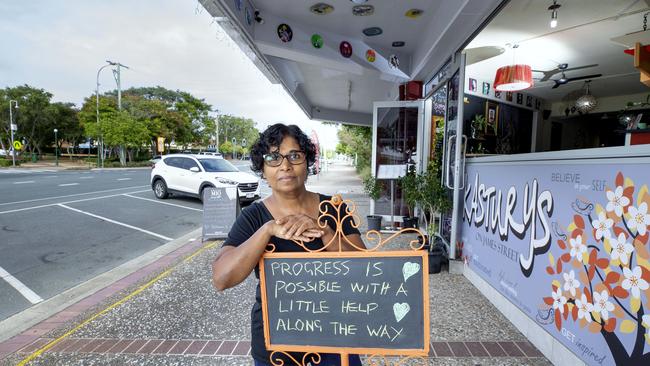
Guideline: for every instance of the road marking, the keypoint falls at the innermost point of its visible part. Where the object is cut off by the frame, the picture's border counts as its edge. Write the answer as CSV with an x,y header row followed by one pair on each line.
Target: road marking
x,y
86,177
50,176
71,195
166,273
20,287
117,222
164,203
25,171
123,178
24,182
74,201
68,184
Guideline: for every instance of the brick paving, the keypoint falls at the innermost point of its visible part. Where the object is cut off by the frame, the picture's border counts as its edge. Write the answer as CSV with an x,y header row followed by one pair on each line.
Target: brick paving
x,y
214,347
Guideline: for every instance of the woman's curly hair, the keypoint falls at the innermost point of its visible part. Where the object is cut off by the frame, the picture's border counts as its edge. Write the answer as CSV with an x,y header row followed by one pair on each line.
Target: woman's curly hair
x,y
272,138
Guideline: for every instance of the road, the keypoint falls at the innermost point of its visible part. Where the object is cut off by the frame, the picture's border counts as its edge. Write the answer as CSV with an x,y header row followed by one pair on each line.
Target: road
x,y
61,228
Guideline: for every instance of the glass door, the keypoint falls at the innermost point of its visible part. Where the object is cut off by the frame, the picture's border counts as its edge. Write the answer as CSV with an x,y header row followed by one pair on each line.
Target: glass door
x,y
454,156
397,147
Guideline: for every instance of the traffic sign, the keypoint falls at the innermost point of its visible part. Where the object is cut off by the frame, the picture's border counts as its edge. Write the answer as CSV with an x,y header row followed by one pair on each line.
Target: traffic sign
x,y
18,145
14,127
161,144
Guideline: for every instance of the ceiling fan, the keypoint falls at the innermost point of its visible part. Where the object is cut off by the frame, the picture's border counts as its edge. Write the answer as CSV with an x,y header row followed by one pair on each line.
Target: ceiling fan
x,y
561,68
563,80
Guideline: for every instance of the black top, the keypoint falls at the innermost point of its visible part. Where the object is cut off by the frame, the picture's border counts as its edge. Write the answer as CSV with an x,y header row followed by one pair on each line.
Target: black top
x,y
248,222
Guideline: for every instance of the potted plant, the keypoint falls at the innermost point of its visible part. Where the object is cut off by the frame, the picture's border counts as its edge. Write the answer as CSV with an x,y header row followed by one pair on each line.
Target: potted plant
x,y
433,200
478,126
373,188
411,195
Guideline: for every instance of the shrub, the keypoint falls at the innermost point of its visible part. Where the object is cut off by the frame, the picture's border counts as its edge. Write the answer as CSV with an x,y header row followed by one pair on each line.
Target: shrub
x,y
7,162
372,187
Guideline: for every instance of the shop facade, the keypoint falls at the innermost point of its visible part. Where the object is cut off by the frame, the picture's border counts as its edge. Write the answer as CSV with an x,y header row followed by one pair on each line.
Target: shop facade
x,y
549,183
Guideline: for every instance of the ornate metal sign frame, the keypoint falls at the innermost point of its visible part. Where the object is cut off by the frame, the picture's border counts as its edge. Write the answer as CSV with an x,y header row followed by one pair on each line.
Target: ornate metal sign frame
x,y
375,238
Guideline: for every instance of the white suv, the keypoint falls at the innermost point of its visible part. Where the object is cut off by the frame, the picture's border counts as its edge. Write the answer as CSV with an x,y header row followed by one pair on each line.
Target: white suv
x,y
190,174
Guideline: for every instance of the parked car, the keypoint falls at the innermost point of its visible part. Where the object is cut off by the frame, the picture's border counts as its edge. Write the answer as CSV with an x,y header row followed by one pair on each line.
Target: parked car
x,y
211,153
190,174
8,153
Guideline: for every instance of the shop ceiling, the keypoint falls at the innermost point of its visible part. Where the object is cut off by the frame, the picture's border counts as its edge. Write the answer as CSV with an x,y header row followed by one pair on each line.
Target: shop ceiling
x,y
582,37
328,86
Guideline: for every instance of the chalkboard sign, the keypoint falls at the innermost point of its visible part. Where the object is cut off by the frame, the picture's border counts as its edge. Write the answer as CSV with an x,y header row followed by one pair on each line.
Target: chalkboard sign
x,y
220,209
359,302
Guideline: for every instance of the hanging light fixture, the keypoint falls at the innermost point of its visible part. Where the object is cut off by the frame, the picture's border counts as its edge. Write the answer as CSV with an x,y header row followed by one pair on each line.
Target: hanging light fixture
x,y
553,8
513,77
586,102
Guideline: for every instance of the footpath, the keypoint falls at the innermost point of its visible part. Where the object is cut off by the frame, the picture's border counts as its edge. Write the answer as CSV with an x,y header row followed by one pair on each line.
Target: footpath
x,y
168,313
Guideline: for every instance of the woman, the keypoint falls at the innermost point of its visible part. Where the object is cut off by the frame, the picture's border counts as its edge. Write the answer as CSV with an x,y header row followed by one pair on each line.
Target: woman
x,y
282,155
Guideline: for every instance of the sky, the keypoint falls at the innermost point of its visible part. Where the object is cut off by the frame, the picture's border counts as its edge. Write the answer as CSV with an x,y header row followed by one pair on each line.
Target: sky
x,y
59,46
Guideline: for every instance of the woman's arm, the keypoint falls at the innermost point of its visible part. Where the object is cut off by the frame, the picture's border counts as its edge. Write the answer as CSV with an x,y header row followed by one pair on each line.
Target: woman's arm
x,y
234,264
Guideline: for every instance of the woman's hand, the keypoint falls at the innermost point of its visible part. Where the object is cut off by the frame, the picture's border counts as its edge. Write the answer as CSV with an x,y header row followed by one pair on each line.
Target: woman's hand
x,y
296,227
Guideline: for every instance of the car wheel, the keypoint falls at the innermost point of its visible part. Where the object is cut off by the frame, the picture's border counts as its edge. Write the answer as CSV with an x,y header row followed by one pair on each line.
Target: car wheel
x,y
160,189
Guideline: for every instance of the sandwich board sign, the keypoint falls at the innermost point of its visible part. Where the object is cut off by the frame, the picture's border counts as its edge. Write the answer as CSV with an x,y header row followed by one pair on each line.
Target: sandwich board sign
x,y
220,210
371,302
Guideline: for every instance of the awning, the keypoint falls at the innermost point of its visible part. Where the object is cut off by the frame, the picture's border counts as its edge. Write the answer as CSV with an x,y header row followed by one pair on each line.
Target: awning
x,y
277,36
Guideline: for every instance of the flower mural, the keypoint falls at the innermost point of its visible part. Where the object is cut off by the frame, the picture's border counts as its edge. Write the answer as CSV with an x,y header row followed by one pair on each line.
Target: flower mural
x,y
605,287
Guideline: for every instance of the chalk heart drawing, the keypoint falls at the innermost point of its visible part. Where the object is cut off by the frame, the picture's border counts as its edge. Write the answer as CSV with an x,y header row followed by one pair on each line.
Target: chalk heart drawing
x,y
409,269
400,310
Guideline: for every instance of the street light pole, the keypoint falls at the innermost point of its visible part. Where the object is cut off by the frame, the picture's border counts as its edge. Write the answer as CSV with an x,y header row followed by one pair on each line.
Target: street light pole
x,y
100,145
234,150
56,147
119,104
12,127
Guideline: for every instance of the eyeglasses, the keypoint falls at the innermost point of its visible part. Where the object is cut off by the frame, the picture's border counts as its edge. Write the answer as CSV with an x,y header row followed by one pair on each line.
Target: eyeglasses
x,y
275,158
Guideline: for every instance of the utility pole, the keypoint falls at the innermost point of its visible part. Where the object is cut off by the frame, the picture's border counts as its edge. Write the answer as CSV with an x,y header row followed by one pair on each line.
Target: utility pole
x,y
116,75
216,128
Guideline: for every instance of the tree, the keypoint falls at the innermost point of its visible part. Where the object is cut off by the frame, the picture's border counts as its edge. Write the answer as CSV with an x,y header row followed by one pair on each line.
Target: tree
x,y
155,111
610,255
239,128
226,147
356,141
35,117
183,117
66,120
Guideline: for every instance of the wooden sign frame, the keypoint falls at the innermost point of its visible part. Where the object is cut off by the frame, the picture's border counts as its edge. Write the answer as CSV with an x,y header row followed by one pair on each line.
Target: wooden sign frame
x,y
372,252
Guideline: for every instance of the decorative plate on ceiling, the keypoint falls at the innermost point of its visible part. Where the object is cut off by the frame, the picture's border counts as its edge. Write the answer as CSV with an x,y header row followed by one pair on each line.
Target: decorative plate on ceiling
x,y
285,33
414,13
373,31
398,44
346,49
370,56
393,61
363,10
321,8
317,40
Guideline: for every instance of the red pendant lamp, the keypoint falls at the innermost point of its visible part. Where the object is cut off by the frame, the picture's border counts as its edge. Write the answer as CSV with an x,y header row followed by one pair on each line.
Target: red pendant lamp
x,y
513,78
